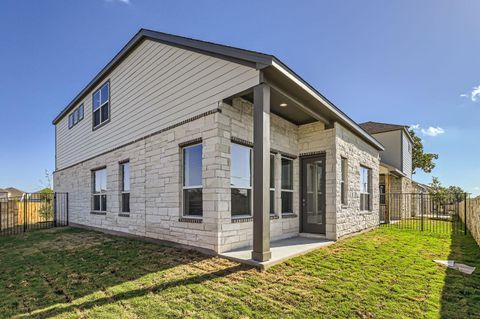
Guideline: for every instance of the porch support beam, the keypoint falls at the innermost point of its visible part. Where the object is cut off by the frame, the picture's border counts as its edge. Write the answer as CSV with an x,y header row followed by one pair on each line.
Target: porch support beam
x,y
261,173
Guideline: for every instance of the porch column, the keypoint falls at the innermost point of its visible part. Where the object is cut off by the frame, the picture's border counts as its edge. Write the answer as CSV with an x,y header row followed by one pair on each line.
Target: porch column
x,y
261,173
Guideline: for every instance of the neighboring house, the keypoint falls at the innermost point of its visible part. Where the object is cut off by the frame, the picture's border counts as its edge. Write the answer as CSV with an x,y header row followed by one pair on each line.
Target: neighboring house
x,y
14,192
3,193
214,147
395,167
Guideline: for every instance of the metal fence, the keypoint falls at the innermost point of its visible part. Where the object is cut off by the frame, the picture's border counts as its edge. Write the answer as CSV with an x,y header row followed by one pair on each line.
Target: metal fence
x,y
33,211
439,213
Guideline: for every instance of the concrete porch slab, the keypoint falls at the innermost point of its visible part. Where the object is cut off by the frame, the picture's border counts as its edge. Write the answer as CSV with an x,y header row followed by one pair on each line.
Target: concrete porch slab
x,y
281,250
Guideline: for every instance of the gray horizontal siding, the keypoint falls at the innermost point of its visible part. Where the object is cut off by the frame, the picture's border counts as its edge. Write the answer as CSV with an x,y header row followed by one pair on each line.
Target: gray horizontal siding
x,y
407,156
154,87
392,141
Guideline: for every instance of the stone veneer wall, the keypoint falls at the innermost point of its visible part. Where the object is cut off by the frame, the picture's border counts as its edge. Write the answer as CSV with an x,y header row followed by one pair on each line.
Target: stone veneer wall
x,y
155,173
349,218
155,164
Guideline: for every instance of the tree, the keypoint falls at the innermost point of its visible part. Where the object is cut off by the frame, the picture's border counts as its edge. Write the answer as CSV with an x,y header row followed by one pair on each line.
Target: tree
x,y
421,160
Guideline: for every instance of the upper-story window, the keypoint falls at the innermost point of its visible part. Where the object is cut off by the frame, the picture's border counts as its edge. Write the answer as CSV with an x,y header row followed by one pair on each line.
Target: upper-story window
x,y
75,117
101,105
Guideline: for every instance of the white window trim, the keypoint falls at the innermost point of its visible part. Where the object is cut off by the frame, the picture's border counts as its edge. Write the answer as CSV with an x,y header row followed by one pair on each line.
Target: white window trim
x,y
182,196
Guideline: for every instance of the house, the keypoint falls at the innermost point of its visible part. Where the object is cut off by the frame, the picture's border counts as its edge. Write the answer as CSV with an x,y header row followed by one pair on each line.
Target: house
x,y
395,167
213,147
3,193
14,192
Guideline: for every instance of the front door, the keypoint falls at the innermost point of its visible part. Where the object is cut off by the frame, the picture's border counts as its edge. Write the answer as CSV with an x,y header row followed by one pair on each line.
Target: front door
x,y
313,194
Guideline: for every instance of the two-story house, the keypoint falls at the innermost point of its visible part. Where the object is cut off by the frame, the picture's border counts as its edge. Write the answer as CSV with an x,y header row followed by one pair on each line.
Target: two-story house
x,y
395,166
214,147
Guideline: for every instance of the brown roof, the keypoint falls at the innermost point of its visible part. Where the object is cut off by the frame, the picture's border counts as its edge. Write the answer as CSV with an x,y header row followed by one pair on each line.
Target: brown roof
x,y
14,192
376,127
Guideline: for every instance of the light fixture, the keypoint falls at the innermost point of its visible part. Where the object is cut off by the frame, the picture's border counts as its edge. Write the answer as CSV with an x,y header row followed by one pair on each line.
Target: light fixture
x,y
283,104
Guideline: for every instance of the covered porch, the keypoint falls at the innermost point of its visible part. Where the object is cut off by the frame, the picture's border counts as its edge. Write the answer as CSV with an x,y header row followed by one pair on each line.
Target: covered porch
x,y
288,97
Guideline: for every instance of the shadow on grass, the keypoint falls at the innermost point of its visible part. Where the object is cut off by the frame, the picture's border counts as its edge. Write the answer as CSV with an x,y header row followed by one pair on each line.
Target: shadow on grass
x,y
56,267
140,292
461,292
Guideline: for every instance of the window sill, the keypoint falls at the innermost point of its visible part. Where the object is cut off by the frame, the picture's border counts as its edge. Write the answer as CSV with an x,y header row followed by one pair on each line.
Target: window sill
x,y
289,215
98,213
124,214
94,128
242,219
195,220
274,217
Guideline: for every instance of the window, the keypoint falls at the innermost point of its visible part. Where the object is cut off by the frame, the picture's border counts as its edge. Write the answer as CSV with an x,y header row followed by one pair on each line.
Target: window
x,y
287,186
365,188
101,105
125,187
192,181
382,194
241,180
272,184
409,147
75,117
343,180
100,190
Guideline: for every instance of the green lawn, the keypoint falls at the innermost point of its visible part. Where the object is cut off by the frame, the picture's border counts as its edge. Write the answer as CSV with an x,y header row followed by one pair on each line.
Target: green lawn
x,y
385,273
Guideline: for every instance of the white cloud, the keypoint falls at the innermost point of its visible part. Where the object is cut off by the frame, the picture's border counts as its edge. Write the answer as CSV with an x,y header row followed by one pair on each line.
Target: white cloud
x,y
473,95
433,131
415,126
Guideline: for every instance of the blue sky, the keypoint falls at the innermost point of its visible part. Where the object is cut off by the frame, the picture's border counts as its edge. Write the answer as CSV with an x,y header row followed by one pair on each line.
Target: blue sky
x,y
405,62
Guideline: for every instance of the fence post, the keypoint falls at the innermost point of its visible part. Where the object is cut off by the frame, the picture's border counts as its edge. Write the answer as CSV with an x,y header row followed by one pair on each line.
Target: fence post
x,y
67,209
24,213
422,211
465,215
54,209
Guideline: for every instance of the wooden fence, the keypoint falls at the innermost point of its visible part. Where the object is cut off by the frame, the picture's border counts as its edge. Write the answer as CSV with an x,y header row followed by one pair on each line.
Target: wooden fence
x,y
473,217
33,211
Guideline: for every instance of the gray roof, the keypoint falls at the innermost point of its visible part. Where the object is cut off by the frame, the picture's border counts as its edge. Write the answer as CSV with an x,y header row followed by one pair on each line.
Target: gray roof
x,y
252,58
3,190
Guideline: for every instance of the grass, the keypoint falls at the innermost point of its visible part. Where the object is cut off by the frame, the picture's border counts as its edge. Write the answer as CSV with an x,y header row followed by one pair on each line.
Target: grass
x,y
385,273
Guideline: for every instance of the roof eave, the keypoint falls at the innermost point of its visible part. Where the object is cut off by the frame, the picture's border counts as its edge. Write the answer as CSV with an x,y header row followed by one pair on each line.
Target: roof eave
x,y
311,90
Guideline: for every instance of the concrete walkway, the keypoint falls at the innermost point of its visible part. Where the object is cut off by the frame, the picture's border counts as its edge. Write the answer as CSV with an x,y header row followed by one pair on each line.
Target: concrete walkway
x,y
281,250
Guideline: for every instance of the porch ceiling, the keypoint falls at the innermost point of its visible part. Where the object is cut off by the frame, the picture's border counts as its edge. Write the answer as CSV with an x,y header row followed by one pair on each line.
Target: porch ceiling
x,y
293,111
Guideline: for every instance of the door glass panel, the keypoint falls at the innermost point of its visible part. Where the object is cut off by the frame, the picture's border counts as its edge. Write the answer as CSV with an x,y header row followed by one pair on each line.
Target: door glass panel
x,y
309,187
319,166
